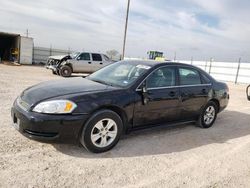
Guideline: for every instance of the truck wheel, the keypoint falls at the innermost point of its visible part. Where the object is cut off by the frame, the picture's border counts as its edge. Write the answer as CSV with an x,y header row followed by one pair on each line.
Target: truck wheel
x,y
102,131
65,71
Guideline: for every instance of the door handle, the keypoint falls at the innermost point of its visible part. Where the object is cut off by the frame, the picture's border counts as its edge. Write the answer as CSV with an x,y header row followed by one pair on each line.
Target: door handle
x,y
101,63
204,91
89,62
171,93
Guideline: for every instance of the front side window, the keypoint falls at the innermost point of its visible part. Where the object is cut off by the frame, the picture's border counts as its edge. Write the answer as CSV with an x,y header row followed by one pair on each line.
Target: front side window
x,y
84,56
96,57
162,77
189,76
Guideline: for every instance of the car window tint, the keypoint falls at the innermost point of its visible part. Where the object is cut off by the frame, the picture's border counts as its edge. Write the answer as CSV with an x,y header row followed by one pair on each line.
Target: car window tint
x,y
96,57
119,74
84,56
189,76
163,77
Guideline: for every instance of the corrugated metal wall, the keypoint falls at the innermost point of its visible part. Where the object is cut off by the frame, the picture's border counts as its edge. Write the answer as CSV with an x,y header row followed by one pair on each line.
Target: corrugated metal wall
x,y
41,54
238,72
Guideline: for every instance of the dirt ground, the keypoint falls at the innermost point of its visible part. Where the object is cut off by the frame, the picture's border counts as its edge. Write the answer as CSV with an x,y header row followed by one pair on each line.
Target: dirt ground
x,y
183,156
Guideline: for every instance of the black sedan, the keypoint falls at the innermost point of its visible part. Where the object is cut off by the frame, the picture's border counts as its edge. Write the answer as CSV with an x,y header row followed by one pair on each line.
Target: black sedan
x,y
119,98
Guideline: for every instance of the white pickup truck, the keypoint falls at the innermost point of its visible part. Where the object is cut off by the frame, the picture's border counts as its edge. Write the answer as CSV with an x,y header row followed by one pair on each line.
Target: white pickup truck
x,y
81,62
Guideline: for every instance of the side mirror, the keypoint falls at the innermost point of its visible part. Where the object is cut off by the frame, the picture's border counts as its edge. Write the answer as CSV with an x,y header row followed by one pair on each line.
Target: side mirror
x,y
145,97
248,92
144,88
78,58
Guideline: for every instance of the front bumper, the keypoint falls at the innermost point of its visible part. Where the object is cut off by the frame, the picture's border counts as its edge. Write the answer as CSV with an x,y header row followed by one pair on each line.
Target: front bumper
x,y
46,127
51,67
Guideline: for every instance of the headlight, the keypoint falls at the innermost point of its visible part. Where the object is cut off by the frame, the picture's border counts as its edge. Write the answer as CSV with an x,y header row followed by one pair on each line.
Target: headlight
x,y
55,107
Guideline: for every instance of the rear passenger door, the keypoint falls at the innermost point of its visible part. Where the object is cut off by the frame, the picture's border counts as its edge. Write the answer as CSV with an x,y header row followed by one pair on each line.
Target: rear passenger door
x,y
193,92
97,61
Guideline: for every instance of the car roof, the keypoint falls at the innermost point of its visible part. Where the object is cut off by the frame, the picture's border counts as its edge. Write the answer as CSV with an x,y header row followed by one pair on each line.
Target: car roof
x,y
92,52
153,63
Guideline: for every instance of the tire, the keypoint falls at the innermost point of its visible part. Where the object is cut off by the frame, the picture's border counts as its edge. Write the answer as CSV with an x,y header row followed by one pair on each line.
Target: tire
x,y
65,71
96,136
208,115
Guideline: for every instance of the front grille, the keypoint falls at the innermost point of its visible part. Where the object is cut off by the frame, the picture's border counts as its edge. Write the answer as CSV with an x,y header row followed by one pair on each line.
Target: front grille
x,y
52,62
22,104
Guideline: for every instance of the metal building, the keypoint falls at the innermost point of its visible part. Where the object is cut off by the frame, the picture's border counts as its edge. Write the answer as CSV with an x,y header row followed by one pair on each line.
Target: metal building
x,y
16,48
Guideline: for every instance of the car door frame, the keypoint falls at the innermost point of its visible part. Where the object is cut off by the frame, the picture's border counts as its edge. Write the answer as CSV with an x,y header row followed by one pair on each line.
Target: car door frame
x,y
139,101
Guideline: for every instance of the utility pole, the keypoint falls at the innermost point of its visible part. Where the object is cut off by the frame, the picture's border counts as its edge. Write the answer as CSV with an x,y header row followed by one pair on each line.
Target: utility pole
x,y
238,69
27,33
125,31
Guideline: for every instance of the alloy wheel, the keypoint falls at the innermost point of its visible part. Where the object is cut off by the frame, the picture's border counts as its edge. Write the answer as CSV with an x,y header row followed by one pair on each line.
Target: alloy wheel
x,y
104,133
209,115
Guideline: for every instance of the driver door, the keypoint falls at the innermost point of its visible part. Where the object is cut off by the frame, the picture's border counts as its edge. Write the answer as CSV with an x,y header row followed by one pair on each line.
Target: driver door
x,y
163,98
82,63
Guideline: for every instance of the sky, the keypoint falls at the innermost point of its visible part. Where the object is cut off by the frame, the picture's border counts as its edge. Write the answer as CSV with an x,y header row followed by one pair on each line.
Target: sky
x,y
202,29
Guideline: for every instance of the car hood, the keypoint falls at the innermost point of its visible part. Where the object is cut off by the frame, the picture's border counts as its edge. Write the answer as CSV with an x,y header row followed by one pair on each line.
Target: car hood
x,y
57,88
57,57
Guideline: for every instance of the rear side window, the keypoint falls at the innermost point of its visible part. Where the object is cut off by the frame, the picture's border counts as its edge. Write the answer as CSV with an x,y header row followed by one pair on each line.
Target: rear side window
x,y
205,79
84,56
96,57
189,76
162,77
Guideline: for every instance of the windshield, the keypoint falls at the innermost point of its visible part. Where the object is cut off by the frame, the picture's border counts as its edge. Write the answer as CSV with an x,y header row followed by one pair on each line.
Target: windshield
x,y
121,74
74,55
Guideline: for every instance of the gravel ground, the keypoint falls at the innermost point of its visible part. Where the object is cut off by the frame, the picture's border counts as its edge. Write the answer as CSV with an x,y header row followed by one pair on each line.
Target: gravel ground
x,y
183,156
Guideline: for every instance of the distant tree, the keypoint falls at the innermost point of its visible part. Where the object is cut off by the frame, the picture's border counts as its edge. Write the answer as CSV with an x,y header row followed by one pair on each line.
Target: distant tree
x,y
112,53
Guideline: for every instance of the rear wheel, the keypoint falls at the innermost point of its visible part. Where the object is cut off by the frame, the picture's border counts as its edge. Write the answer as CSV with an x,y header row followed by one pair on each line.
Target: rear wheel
x,y
65,71
102,131
208,115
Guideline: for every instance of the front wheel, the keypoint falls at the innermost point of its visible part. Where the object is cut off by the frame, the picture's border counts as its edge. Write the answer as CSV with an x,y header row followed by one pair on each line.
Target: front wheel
x,y
102,131
65,71
208,115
